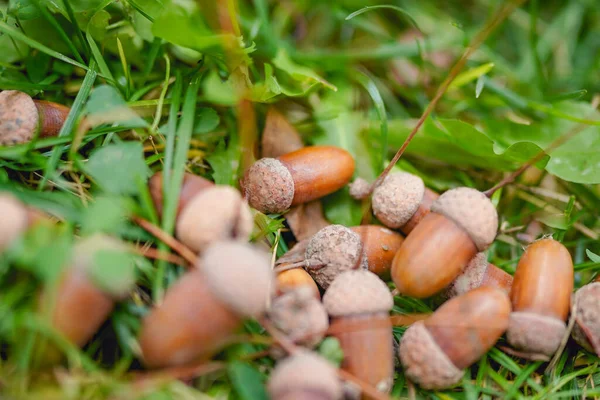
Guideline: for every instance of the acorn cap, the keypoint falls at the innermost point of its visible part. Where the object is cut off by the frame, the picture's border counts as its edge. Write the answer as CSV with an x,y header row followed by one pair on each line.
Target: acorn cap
x,y
534,333
304,371
588,315
14,217
216,213
107,263
19,117
269,186
359,189
338,248
470,278
424,361
239,275
300,315
472,211
397,199
357,292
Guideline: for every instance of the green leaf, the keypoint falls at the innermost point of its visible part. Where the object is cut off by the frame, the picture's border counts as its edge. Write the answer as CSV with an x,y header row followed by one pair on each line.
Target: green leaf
x,y
113,270
106,105
23,9
470,75
207,120
592,256
106,214
118,167
331,350
385,6
247,381
225,162
301,73
98,24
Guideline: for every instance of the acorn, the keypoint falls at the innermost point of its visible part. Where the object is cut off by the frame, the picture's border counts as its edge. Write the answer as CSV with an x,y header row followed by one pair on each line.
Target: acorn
x,y
22,118
304,376
300,315
206,212
434,352
273,185
231,282
462,222
15,220
479,273
331,251
358,303
294,278
586,330
380,246
541,298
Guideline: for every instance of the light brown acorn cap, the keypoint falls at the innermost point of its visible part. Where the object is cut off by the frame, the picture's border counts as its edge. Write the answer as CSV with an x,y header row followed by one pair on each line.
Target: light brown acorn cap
x,y
534,333
357,292
13,215
470,278
300,315
397,199
19,117
216,213
359,189
338,248
86,251
424,361
304,371
471,210
239,275
588,315
269,186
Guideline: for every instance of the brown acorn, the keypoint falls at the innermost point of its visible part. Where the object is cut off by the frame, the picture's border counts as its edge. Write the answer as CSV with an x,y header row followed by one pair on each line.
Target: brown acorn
x,y
304,376
479,273
358,303
294,278
434,352
586,330
206,212
273,185
231,282
541,298
380,246
22,118
462,222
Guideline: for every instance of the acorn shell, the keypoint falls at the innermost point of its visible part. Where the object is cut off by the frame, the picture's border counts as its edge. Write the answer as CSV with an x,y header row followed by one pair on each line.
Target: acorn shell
x,y
357,292
471,210
239,275
19,117
397,199
268,186
339,249
424,362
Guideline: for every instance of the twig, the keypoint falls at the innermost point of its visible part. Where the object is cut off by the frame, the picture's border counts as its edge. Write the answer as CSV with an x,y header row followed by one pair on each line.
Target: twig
x,y
169,240
475,43
155,254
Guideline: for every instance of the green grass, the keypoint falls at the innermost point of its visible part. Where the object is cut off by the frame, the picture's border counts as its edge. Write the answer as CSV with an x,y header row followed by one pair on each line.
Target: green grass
x,y
160,83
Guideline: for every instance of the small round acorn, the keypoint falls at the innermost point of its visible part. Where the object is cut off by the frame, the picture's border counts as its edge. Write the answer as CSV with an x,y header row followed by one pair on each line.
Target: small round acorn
x,y
231,282
541,298
586,330
380,246
462,222
14,218
304,376
300,315
479,273
358,303
22,117
435,351
273,185
206,212
294,278
333,250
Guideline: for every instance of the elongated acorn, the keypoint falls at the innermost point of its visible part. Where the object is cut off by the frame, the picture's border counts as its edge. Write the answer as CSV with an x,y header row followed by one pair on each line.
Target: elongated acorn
x,y
231,282
434,352
380,246
21,117
541,298
358,303
461,223
304,376
273,185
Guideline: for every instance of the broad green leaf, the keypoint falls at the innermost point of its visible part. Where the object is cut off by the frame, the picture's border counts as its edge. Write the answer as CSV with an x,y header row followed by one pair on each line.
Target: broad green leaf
x,y
117,168
301,73
23,9
225,162
106,214
106,105
218,91
247,381
207,120
593,256
97,25
113,271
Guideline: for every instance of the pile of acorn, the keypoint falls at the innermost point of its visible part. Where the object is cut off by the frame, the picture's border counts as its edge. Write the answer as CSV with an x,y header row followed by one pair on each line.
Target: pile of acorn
x,y
440,255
